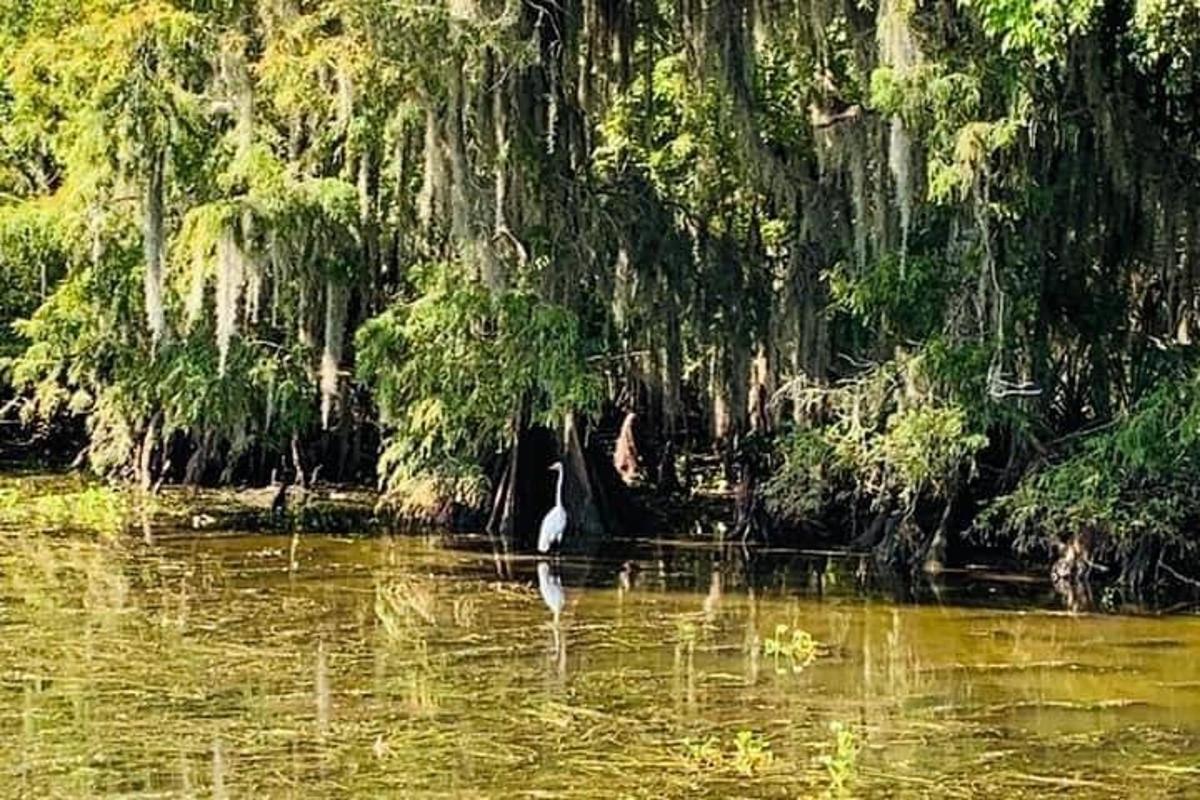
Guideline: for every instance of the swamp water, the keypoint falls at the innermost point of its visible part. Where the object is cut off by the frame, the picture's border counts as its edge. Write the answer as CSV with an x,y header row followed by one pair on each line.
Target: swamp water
x,y
166,662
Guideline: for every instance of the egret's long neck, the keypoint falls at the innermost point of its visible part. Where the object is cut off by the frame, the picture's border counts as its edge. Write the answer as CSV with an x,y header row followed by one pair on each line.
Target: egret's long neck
x,y
560,483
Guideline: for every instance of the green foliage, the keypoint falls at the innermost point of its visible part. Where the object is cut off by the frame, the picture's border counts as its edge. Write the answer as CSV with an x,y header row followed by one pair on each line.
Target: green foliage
x,y
76,342
265,395
92,508
976,146
706,754
795,652
749,755
32,255
947,224
106,88
895,430
79,362
1167,37
427,496
806,484
901,300
1040,29
1129,481
752,753
921,446
842,763
453,370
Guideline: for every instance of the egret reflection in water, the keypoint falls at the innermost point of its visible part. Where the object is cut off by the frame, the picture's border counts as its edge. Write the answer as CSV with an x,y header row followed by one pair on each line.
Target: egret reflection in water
x,y
551,588
555,597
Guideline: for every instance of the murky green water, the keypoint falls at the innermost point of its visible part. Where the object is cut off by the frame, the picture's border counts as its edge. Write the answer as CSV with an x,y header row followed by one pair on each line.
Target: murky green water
x,y
161,662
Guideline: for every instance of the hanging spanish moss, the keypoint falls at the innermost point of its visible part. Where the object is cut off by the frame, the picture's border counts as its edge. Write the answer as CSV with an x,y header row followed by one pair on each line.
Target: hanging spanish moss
x,y
949,242
231,275
193,308
336,298
153,238
898,51
433,176
859,201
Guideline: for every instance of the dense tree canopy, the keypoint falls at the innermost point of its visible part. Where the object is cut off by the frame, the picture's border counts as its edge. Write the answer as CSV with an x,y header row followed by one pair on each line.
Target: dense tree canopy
x,y
941,255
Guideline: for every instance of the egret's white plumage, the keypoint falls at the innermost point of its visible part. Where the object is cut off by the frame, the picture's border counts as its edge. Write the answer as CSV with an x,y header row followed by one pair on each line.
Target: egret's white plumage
x,y
555,521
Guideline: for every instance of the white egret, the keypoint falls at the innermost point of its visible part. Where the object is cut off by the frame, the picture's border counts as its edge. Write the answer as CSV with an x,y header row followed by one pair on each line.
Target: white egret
x,y
555,521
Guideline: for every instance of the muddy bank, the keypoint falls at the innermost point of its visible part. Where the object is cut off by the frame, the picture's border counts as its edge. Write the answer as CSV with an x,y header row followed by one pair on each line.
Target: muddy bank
x,y
707,514
326,508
